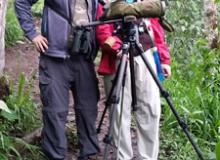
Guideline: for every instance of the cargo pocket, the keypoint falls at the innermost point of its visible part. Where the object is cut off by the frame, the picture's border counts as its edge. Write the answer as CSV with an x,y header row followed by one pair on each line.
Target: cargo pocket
x,y
44,82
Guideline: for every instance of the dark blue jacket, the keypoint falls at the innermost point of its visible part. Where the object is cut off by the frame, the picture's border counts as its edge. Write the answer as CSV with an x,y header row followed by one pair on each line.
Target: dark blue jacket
x,y
56,22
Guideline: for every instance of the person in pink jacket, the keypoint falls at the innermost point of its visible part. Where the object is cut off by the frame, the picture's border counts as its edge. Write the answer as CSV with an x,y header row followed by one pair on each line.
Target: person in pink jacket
x,y
147,115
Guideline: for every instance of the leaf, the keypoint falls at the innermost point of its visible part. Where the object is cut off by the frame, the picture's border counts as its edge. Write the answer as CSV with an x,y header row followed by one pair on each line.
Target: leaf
x,y
217,150
10,116
2,141
24,144
4,107
3,157
20,96
16,152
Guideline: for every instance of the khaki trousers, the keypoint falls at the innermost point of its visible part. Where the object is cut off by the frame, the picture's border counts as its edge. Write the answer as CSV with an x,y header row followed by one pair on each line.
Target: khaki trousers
x,y
147,115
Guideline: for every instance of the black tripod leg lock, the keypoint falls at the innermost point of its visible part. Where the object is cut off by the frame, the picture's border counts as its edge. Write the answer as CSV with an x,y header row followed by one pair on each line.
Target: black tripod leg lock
x,y
165,94
183,124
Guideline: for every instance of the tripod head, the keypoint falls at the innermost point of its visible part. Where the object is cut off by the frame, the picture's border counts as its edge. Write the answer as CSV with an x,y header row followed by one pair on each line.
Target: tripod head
x,y
128,29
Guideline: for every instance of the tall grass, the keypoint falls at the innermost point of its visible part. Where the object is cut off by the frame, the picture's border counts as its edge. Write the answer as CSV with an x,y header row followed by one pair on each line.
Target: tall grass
x,y
196,95
194,87
19,119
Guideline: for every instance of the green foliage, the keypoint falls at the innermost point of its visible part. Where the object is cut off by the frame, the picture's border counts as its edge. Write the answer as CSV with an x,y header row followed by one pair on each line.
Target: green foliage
x,y
194,86
37,9
13,31
22,106
217,1
4,107
195,92
186,17
17,119
217,150
175,146
15,148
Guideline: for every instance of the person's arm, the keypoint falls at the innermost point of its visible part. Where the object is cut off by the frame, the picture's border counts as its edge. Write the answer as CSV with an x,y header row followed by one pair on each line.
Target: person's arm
x,y
23,12
108,42
161,46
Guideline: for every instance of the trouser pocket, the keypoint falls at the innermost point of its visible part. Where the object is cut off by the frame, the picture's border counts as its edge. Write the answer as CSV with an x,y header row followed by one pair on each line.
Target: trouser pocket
x,y
44,82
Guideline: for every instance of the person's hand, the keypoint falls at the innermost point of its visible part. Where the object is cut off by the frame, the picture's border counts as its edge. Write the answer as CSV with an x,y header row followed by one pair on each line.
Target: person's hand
x,y
166,70
40,43
119,54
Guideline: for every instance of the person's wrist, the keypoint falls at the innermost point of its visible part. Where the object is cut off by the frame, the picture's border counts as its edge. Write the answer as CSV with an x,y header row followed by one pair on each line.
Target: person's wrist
x,y
110,41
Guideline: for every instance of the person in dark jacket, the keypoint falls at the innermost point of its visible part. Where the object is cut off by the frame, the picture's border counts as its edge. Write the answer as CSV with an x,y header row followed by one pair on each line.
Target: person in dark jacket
x,y
61,71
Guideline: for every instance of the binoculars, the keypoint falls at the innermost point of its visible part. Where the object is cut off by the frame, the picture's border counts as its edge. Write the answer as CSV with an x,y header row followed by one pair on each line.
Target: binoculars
x,y
80,41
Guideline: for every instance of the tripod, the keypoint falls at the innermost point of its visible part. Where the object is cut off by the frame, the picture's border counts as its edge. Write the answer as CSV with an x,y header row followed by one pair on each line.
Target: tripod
x,y
130,44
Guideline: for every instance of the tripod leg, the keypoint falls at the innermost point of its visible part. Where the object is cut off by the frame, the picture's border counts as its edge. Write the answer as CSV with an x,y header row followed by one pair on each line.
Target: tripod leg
x,y
121,120
102,119
121,114
115,89
110,100
133,88
166,95
116,94
108,137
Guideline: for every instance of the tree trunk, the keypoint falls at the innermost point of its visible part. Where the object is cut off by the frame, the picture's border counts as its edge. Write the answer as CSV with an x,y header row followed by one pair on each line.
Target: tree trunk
x,y
211,23
3,8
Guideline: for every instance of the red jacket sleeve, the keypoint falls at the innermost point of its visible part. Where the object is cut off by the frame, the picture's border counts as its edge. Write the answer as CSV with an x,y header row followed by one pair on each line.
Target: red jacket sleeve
x,y
103,32
160,41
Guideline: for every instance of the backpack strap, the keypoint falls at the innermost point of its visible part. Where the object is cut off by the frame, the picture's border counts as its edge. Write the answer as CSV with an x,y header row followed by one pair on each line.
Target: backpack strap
x,y
156,55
